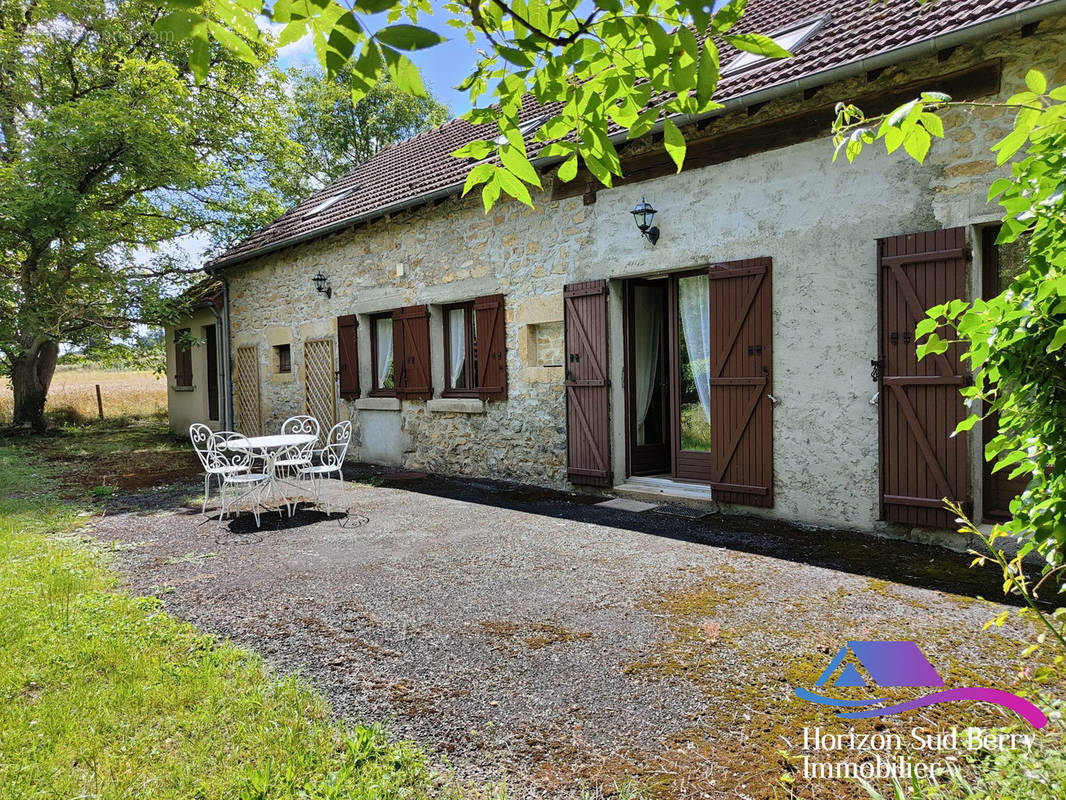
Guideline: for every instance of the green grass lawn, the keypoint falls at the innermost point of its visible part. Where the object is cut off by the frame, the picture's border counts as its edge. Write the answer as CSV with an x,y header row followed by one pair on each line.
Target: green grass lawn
x,y
104,695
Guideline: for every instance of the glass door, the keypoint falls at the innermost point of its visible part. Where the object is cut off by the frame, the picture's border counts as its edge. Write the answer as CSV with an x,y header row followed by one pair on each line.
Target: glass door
x,y
691,344
648,386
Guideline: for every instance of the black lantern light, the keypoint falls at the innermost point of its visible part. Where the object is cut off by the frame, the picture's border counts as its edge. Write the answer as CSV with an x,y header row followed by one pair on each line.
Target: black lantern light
x,y
643,214
322,286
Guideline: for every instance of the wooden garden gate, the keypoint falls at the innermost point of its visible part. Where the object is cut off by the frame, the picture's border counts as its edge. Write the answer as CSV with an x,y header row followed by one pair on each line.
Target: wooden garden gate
x,y
247,390
920,404
588,431
320,401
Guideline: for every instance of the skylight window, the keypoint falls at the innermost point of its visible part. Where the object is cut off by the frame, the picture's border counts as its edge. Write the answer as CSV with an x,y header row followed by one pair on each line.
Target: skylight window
x,y
524,129
329,201
790,38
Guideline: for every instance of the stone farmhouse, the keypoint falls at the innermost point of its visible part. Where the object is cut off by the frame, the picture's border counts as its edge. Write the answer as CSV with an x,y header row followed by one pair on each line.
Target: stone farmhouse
x,y
759,353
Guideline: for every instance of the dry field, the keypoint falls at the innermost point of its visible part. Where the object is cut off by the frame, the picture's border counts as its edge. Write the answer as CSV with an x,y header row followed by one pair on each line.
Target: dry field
x,y
72,398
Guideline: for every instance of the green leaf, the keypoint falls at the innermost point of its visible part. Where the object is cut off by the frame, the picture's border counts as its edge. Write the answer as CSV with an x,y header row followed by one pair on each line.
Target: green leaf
x,y
934,344
1058,341
374,6
490,193
233,43
926,326
966,424
758,44
514,187
707,77
916,143
1036,81
568,169
479,174
674,142
180,23
477,149
516,162
728,16
365,72
409,37
406,74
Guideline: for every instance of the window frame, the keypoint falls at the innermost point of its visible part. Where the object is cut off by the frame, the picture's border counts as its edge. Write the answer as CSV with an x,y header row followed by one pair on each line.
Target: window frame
x,y
182,358
470,368
280,365
375,390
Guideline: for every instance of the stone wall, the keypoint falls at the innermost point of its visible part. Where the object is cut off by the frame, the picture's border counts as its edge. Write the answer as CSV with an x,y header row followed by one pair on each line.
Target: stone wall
x,y
449,253
819,221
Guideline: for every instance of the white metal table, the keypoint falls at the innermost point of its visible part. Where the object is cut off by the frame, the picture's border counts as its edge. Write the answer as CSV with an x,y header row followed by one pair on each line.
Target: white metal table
x,y
268,447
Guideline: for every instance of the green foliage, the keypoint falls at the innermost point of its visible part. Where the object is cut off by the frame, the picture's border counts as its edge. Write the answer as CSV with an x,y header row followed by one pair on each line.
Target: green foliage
x,y
1014,347
1014,342
603,62
105,695
108,148
334,135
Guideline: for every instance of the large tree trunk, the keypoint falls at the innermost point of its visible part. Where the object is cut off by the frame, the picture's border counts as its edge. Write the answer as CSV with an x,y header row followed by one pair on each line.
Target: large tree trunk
x,y
31,375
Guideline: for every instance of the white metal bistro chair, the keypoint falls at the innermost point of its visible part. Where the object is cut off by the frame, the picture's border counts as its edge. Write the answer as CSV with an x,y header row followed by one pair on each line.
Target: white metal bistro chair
x,y
202,439
230,451
292,460
330,459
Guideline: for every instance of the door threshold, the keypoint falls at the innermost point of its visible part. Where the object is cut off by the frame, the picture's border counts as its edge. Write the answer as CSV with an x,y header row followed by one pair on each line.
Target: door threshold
x,y
665,487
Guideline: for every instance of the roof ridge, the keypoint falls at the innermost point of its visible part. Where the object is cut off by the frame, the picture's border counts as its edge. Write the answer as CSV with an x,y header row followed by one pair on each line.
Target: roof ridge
x,y
854,31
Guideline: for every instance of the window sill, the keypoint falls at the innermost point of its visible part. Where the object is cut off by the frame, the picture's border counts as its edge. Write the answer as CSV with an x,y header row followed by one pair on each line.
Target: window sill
x,y
378,404
455,405
184,388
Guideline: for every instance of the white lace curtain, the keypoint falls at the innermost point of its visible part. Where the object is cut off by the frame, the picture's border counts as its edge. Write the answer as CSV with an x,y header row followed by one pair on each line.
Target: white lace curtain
x,y
647,345
694,308
384,354
457,344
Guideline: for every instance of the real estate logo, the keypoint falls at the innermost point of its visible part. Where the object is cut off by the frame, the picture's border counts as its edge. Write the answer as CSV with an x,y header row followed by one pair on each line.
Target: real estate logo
x,y
901,664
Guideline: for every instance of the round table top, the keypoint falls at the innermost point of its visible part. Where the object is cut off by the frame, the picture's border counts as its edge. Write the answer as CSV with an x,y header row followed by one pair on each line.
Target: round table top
x,y
273,442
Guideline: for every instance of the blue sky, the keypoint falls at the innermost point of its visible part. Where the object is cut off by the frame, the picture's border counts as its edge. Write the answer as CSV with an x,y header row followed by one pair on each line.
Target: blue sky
x,y
442,66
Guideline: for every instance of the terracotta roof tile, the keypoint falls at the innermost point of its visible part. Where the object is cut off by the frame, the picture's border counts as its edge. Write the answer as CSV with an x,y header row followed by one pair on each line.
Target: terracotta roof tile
x,y
417,168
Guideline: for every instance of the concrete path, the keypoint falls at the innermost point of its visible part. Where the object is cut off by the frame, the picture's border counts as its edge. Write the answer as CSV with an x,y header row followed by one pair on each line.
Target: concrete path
x,y
536,639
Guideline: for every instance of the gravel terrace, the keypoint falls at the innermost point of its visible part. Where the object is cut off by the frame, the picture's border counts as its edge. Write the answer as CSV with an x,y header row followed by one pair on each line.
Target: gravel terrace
x,y
532,638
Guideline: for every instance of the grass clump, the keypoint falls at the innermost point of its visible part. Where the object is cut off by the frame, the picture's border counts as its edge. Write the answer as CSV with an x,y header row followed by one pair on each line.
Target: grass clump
x,y
104,695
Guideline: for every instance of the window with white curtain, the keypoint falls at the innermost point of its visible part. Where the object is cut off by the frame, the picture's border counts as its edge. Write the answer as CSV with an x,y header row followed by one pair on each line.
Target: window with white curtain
x,y
460,349
381,354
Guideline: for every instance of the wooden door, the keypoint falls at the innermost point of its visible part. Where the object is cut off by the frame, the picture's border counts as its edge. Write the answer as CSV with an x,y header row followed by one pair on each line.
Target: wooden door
x,y
920,404
588,428
246,387
319,398
648,421
741,378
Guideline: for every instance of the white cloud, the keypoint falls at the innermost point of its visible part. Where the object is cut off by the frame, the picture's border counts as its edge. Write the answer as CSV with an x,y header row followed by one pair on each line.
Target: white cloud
x,y
300,53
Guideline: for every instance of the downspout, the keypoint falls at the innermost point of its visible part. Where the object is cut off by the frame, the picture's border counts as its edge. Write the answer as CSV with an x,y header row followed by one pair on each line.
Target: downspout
x,y
227,362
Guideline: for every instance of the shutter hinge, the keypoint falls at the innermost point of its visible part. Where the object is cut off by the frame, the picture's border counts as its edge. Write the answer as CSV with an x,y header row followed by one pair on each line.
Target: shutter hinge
x,y
969,255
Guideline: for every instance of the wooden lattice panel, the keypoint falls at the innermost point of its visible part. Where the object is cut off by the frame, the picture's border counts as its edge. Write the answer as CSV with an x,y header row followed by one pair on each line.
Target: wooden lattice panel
x,y
246,385
318,381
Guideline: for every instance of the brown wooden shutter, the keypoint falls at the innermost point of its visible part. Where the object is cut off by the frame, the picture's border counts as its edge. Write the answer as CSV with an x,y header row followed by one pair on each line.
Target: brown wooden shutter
x,y
182,359
742,452
491,326
588,431
411,365
348,355
921,462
